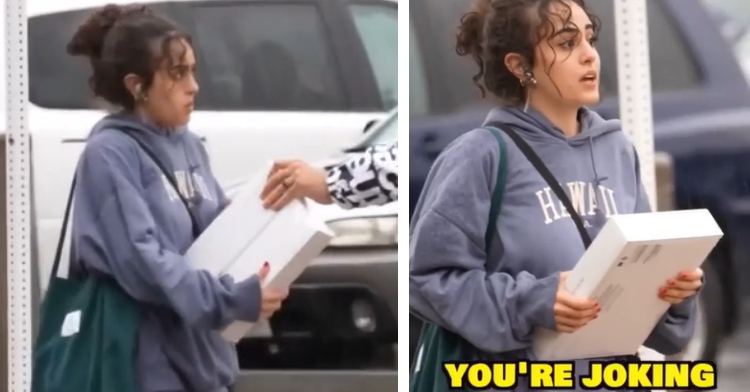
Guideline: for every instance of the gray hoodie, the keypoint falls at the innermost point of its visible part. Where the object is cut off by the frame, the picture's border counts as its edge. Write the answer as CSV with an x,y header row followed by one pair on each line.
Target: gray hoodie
x,y
128,223
496,306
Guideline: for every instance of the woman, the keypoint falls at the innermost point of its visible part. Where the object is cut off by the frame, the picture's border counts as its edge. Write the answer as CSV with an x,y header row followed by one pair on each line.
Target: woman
x,y
131,224
538,58
369,178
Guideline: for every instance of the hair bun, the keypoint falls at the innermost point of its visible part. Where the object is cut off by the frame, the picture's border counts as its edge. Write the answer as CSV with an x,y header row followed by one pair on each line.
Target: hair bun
x,y
88,39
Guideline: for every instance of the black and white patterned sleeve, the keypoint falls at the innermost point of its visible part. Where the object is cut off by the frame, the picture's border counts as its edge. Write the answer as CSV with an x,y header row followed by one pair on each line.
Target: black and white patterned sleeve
x,y
369,178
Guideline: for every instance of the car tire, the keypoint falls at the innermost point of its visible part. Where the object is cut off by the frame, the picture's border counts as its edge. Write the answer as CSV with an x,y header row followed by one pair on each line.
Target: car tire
x,y
706,341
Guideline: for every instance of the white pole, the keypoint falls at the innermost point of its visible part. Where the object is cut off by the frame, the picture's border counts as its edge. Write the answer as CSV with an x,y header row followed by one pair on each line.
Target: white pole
x,y
634,85
634,91
18,199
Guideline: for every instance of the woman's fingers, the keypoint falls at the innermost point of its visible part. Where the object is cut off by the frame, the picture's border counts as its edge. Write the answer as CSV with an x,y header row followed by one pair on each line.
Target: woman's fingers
x,y
675,296
572,313
696,274
570,301
564,311
687,285
568,324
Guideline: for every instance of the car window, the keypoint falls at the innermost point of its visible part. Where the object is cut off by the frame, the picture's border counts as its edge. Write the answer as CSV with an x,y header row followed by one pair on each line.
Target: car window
x,y
265,56
56,79
419,104
734,10
733,18
252,57
377,26
667,46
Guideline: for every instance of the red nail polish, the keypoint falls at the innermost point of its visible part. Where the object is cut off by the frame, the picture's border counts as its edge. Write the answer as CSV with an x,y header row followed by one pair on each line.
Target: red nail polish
x,y
671,282
683,275
662,290
266,264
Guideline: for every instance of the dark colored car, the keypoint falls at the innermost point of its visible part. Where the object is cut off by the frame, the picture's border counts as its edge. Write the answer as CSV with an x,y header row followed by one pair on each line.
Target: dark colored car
x,y
701,111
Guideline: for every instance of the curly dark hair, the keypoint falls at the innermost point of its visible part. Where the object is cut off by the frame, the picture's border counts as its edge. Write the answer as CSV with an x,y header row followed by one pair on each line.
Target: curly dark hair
x,y
492,29
121,40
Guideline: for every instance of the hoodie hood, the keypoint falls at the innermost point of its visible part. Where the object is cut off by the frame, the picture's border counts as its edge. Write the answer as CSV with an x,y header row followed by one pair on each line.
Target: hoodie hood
x,y
178,149
536,127
538,130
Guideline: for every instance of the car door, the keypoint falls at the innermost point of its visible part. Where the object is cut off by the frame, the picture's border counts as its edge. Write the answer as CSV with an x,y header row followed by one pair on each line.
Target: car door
x,y
279,79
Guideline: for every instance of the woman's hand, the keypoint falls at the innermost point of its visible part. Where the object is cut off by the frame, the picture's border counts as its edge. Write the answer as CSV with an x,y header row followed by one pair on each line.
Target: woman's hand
x,y
572,313
685,285
289,180
271,299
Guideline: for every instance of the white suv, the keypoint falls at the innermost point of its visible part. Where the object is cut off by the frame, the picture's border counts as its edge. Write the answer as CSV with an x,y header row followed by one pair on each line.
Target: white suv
x,y
326,68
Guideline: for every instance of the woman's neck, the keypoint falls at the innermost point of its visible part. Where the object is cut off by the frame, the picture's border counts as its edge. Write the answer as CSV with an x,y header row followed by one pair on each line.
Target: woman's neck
x,y
147,119
563,117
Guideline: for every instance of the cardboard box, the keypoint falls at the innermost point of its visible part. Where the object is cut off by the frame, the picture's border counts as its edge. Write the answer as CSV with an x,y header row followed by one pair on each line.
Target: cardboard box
x,y
631,258
246,235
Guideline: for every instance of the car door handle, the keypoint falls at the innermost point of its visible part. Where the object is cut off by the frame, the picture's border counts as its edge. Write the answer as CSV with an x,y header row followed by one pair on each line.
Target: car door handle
x,y
75,140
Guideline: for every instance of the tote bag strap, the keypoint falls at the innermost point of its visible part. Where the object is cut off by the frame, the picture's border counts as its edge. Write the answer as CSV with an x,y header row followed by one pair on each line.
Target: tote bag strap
x,y
548,177
170,177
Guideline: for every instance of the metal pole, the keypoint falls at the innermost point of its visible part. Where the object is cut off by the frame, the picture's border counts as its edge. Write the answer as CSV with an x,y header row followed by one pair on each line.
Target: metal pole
x,y
634,91
18,184
634,85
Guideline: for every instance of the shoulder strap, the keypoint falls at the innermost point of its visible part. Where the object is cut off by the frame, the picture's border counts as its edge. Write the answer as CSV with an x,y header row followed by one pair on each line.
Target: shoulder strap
x,y
63,232
548,177
498,191
170,178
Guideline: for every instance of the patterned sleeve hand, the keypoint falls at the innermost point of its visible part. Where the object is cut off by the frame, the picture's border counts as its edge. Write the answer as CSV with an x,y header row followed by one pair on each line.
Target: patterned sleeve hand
x,y
366,179
289,180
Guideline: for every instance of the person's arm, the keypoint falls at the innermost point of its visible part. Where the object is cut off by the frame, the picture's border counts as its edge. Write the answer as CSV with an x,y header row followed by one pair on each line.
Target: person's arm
x,y
115,226
369,178
673,331
448,283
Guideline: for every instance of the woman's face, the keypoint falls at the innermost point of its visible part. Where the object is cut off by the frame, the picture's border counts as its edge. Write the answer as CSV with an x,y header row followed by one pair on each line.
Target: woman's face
x,y
171,96
567,63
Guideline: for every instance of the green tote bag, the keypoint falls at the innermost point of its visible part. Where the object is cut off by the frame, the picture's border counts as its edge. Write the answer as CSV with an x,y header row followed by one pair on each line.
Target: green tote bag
x,y
88,333
436,344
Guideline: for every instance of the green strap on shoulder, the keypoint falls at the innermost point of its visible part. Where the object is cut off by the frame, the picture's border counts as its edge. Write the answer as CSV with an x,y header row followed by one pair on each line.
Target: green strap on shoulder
x,y
499,190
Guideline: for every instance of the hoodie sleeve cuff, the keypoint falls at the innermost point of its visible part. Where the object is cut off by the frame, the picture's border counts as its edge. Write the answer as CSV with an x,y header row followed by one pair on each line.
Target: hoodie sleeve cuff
x,y
541,310
248,298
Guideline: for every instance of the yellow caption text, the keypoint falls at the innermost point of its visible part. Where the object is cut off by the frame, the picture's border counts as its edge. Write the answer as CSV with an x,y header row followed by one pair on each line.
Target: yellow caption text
x,y
563,375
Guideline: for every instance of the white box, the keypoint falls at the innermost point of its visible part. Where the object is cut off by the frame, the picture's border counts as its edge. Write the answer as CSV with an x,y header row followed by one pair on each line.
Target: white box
x,y
631,258
245,235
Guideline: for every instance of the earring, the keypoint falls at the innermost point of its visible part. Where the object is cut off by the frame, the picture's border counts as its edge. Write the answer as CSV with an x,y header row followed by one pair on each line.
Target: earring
x,y
530,79
139,96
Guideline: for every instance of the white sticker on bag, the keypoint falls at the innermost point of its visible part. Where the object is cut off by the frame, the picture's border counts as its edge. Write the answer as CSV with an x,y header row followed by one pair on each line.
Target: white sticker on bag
x,y
72,324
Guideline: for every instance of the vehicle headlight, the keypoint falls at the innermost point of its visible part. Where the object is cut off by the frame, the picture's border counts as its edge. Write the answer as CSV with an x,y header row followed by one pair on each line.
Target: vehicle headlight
x,y
371,231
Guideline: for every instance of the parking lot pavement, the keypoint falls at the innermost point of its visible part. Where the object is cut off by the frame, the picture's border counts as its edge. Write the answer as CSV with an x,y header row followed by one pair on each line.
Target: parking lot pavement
x,y
733,362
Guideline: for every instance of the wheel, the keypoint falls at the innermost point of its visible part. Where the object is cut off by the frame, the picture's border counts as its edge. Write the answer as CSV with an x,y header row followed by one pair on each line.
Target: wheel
x,y
706,340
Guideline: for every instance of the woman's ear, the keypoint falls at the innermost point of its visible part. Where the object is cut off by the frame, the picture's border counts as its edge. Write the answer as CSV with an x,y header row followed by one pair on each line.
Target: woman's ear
x,y
134,85
515,64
